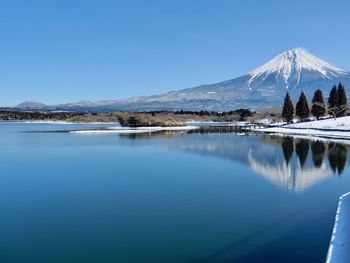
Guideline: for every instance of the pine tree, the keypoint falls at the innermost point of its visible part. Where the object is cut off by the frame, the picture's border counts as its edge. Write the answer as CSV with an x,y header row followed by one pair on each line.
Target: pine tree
x,y
302,108
288,109
333,101
318,108
341,101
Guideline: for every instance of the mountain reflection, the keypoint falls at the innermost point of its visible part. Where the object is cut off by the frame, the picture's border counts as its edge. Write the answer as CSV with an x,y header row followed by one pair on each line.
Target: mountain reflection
x,y
302,173
292,163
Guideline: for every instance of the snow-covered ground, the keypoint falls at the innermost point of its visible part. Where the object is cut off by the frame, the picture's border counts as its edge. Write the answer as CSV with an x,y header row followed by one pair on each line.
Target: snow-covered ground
x,y
327,128
342,123
124,130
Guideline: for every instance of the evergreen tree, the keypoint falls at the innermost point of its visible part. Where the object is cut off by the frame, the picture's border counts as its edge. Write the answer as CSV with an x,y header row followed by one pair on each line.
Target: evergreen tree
x,y
333,101
341,101
288,109
302,108
318,108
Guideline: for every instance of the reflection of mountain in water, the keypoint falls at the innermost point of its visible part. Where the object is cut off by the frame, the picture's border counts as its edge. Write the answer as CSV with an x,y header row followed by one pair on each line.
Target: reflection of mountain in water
x,y
290,175
294,164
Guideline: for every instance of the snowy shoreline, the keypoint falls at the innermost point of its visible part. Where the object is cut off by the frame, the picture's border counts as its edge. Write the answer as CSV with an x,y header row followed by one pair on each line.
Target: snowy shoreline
x,y
327,128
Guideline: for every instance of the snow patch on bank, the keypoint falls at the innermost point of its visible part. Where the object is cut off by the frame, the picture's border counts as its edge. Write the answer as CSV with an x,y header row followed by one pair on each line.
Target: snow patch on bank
x,y
329,128
342,123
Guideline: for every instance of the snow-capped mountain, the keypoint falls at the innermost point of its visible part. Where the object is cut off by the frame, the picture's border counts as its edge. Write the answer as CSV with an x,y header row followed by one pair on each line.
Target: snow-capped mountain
x,y
292,67
294,71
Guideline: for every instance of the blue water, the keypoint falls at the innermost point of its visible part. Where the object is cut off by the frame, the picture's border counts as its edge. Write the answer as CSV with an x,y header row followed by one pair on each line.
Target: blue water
x,y
167,197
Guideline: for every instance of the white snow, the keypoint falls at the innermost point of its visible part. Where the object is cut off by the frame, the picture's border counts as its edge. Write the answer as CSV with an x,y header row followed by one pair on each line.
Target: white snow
x,y
342,123
291,63
339,247
328,128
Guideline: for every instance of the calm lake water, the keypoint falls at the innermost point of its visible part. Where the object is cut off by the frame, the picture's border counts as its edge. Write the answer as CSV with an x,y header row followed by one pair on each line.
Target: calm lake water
x,y
166,197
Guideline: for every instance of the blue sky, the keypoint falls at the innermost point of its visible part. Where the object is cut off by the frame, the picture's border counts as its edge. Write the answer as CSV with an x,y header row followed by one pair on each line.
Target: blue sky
x,y
65,51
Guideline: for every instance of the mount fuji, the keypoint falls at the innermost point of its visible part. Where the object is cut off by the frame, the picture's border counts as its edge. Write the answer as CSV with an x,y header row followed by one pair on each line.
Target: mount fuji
x,y
294,71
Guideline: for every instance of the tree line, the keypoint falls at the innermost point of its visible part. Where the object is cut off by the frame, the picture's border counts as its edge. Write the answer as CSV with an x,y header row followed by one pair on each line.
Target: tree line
x,y
7,115
336,105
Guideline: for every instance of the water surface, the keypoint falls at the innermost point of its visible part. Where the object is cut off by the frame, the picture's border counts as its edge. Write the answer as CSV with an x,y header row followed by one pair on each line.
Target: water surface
x,y
166,197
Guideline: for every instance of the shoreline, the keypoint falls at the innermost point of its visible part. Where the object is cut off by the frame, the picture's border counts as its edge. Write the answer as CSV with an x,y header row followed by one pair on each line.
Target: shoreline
x,y
310,133
327,128
129,130
56,122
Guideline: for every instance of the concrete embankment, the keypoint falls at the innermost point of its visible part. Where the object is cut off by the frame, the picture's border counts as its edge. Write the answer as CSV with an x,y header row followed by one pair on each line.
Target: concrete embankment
x,y
339,247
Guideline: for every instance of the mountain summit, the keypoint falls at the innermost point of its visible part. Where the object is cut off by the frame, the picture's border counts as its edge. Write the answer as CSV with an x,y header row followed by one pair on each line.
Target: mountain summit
x,y
294,71
293,66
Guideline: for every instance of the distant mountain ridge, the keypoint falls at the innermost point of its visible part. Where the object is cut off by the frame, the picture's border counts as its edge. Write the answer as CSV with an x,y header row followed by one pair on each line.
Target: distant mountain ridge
x,y
294,71
31,104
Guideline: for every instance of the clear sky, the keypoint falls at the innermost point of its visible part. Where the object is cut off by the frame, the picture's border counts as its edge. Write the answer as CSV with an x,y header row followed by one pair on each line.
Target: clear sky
x,y
58,51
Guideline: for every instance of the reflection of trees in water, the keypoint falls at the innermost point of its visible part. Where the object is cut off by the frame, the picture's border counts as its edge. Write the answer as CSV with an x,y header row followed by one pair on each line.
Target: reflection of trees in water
x,y
288,148
337,154
151,135
318,150
342,158
302,149
332,157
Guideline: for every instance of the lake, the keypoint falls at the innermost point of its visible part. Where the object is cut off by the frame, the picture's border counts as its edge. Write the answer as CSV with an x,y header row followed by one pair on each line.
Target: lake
x,y
166,197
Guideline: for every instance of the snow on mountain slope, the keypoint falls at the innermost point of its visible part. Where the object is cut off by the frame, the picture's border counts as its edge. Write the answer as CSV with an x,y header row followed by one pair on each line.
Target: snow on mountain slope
x,y
291,64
